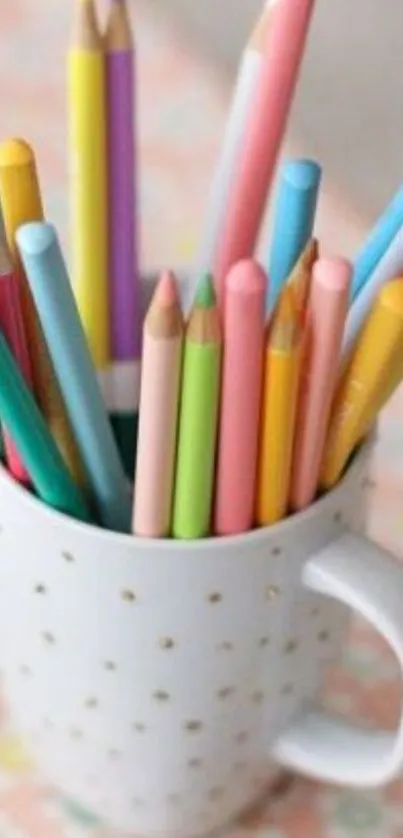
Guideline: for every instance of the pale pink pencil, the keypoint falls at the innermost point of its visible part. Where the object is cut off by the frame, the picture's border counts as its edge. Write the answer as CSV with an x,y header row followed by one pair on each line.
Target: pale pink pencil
x,y
289,22
327,313
240,399
158,418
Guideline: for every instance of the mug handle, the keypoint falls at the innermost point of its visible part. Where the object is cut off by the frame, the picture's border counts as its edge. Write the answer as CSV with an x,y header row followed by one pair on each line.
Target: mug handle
x,y
369,580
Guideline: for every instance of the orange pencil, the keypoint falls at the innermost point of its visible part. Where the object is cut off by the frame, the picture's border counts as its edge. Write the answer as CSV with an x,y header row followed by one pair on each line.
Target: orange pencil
x,y
289,22
279,403
240,398
328,308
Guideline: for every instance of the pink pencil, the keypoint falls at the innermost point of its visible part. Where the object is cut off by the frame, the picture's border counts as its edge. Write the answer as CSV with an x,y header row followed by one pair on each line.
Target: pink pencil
x,y
289,24
12,327
327,313
240,398
159,404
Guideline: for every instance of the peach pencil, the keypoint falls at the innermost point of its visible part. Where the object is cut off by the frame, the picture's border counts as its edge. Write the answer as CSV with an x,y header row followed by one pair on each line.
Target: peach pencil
x,y
328,306
12,327
289,22
240,398
159,406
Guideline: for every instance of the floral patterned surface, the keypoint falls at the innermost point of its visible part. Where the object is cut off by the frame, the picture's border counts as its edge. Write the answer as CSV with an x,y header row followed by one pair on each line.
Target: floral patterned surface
x,y
182,114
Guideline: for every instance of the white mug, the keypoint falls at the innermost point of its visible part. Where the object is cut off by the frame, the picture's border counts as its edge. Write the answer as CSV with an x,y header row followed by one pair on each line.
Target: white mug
x,y
162,684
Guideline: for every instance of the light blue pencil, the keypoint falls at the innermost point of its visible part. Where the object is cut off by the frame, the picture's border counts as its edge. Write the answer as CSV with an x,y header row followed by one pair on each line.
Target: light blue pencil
x,y
377,243
49,282
293,221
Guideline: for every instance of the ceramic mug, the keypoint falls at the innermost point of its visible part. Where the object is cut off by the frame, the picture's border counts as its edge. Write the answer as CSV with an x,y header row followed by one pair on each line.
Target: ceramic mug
x,y
161,684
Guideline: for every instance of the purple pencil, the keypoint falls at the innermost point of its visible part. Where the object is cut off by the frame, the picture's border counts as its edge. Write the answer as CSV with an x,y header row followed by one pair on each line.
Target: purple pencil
x,y
125,301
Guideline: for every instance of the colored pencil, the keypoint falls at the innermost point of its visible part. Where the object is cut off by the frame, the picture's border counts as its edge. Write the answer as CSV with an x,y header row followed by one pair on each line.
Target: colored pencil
x,y
328,306
197,439
21,203
20,414
12,327
159,411
50,285
279,403
124,277
389,266
289,22
232,144
300,278
378,242
369,375
89,202
240,398
294,218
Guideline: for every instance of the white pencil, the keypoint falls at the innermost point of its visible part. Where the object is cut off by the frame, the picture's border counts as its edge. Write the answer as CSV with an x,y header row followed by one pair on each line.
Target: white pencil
x,y
233,138
389,267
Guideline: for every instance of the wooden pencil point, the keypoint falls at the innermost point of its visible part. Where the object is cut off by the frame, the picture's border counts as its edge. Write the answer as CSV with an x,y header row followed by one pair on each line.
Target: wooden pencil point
x,y
205,294
86,33
300,278
286,328
258,39
118,33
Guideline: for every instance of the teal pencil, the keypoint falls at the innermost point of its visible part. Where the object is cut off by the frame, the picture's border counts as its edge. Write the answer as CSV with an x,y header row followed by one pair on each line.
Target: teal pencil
x,y
27,427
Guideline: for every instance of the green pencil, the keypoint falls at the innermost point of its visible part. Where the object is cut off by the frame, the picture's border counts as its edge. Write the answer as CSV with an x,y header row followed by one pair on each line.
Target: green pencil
x,y
198,418
39,453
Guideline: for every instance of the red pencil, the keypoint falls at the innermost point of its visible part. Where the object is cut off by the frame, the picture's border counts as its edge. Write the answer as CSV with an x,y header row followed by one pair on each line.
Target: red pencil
x,y
12,327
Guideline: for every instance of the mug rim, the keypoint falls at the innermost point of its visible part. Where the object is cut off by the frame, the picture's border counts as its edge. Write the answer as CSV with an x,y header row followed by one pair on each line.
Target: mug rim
x,y
54,516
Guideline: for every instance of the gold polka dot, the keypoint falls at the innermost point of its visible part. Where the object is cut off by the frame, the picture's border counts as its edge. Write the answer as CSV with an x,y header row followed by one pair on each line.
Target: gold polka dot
x,y
242,737
216,793
315,611
139,727
128,596
323,636
161,696
338,517
193,726
214,598
195,762
272,592
114,753
263,642
68,557
110,666
40,589
225,646
287,689
276,551
92,703
166,643
48,637
225,692
173,799
26,671
76,733
291,646
258,697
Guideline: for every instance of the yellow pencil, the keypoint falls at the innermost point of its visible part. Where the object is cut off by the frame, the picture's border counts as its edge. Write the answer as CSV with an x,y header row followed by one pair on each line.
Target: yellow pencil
x,y
280,391
88,149
373,373
300,278
21,203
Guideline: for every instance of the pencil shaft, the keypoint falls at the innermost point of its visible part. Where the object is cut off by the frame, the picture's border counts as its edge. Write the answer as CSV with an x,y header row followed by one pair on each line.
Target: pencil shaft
x,y
271,104
123,262
49,281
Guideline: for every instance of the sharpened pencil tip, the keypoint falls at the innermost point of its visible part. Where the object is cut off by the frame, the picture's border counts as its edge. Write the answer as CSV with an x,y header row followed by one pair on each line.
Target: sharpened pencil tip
x,y
167,291
205,294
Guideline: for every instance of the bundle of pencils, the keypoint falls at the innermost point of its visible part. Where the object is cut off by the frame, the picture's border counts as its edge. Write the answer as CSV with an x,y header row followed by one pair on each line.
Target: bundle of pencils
x,y
255,390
